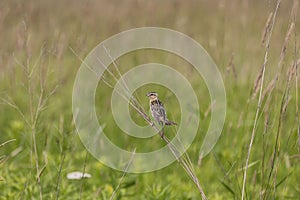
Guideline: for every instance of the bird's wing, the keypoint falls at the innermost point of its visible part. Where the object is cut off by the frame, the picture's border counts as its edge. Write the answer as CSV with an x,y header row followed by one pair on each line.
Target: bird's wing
x,y
162,109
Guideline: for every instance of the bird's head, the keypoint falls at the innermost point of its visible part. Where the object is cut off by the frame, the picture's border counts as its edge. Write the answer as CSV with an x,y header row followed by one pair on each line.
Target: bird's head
x,y
152,95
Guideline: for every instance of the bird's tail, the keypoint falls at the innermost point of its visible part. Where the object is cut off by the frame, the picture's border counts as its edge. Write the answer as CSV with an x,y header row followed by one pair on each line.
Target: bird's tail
x,y
169,123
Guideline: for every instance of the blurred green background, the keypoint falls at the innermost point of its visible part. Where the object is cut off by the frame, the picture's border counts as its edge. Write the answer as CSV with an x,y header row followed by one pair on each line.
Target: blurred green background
x,y
41,47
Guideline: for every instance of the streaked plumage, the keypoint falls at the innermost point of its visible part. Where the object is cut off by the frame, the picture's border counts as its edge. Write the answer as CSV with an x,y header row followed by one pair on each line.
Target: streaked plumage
x,y
158,111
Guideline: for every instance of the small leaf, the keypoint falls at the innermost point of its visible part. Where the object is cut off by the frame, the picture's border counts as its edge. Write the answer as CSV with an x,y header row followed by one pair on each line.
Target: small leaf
x,y
282,180
228,188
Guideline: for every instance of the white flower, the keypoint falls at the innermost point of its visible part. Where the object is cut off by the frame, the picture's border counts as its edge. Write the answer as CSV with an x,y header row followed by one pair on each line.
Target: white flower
x,y
78,175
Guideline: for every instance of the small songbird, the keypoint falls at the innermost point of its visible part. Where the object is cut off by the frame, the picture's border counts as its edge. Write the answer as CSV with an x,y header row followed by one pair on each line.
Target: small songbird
x,y
158,111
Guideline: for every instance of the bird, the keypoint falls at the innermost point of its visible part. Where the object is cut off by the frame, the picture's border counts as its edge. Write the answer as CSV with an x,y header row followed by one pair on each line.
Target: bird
x,y
158,111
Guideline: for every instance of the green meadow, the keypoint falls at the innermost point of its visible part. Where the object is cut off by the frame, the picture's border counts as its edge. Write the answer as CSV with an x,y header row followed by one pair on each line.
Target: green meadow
x,y
255,45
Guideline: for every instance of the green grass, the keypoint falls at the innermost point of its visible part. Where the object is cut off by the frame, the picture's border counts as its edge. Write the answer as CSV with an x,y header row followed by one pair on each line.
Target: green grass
x,y
37,37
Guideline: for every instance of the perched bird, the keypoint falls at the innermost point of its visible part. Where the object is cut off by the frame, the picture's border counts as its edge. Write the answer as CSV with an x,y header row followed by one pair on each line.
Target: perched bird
x,y
158,111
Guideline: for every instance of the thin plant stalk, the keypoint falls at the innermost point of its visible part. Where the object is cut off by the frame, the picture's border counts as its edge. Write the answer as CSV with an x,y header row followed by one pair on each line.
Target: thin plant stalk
x,y
124,174
259,99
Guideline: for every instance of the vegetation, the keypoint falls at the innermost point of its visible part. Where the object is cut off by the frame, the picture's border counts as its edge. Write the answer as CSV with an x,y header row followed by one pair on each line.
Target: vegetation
x,y
255,44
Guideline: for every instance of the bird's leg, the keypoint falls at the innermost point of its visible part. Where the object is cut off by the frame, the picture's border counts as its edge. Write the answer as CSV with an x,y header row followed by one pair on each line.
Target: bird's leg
x,y
152,124
162,130
161,133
